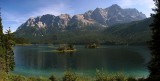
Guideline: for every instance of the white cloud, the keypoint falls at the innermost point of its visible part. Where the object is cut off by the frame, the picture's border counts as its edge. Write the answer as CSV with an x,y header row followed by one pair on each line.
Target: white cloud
x,y
129,3
144,6
56,10
14,20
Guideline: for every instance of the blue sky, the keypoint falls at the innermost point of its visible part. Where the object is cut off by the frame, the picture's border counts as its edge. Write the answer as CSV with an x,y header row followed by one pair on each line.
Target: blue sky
x,y
16,12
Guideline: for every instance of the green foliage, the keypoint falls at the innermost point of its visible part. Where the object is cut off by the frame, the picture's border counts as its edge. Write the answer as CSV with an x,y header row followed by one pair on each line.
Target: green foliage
x,y
52,78
8,45
92,45
6,51
16,78
20,40
131,79
1,27
37,79
69,76
3,76
154,64
2,60
101,76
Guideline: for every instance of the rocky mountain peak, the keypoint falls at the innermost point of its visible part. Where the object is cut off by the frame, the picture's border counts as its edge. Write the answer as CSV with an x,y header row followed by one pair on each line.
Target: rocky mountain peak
x,y
78,17
115,6
99,17
64,16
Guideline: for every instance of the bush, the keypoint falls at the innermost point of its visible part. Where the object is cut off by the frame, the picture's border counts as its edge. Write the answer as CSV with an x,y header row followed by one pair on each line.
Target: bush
x,y
52,78
37,79
3,76
69,76
101,76
119,77
17,78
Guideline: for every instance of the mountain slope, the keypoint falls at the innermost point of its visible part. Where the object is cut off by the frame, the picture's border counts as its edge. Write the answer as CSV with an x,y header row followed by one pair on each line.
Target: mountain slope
x,y
136,32
99,17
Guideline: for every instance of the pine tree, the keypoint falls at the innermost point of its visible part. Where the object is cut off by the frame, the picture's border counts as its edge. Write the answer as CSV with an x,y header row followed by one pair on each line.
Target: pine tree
x,y
154,64
9,43
2,51
1,27
6,51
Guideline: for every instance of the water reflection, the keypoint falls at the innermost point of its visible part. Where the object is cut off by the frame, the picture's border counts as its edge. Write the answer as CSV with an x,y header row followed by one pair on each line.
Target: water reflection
x,y
110,58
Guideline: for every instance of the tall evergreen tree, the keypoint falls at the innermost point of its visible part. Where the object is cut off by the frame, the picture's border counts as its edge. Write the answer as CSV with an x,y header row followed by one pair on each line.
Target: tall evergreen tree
x,y
1,27
2,51
9,43
6,51
154,64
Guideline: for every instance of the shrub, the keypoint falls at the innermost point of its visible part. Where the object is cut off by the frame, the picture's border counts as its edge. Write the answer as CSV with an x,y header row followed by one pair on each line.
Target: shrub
x,y
52,78
131,79
119,77
101,76
17,78
37,79
69,76
3,76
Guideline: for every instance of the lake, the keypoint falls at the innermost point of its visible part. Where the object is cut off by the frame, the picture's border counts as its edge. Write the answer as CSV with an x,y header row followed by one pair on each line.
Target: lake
x,y
40,60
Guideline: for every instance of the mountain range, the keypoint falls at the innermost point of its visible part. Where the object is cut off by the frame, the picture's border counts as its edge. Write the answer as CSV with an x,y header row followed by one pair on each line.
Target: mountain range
x,y
105,23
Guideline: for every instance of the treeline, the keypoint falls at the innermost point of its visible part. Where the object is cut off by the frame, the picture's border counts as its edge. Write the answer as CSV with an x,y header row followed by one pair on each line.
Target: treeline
x,y
6,51
84,37
133,33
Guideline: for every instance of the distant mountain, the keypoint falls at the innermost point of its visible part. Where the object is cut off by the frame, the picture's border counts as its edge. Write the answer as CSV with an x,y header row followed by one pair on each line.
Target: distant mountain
x,y
136,32
98,18
133,32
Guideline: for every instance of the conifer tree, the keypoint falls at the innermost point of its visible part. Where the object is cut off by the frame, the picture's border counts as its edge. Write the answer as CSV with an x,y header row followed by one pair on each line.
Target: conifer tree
x,y
154,64
2,51
1,27
6,52
9,43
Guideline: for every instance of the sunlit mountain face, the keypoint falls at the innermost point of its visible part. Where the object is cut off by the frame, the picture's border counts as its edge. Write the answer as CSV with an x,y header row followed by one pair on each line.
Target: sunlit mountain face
x,y
99,17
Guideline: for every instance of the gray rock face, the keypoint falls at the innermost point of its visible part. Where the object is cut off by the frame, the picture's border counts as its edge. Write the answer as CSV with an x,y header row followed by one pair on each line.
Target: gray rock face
x,y
101,17
118,15
62,21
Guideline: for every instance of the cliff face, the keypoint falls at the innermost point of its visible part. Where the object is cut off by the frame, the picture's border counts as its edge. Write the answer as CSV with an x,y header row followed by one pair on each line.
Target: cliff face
x,y
98,17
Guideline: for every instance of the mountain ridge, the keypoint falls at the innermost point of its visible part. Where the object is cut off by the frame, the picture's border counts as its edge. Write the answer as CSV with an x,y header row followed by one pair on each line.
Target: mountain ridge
x,y
112,25
100,17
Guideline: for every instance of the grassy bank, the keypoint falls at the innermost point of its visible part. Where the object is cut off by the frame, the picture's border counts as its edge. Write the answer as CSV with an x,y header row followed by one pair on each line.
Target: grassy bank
x,y
71,76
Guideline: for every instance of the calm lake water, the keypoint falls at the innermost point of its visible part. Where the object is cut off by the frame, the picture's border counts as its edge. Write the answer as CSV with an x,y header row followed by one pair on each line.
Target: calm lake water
x,y
39,60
